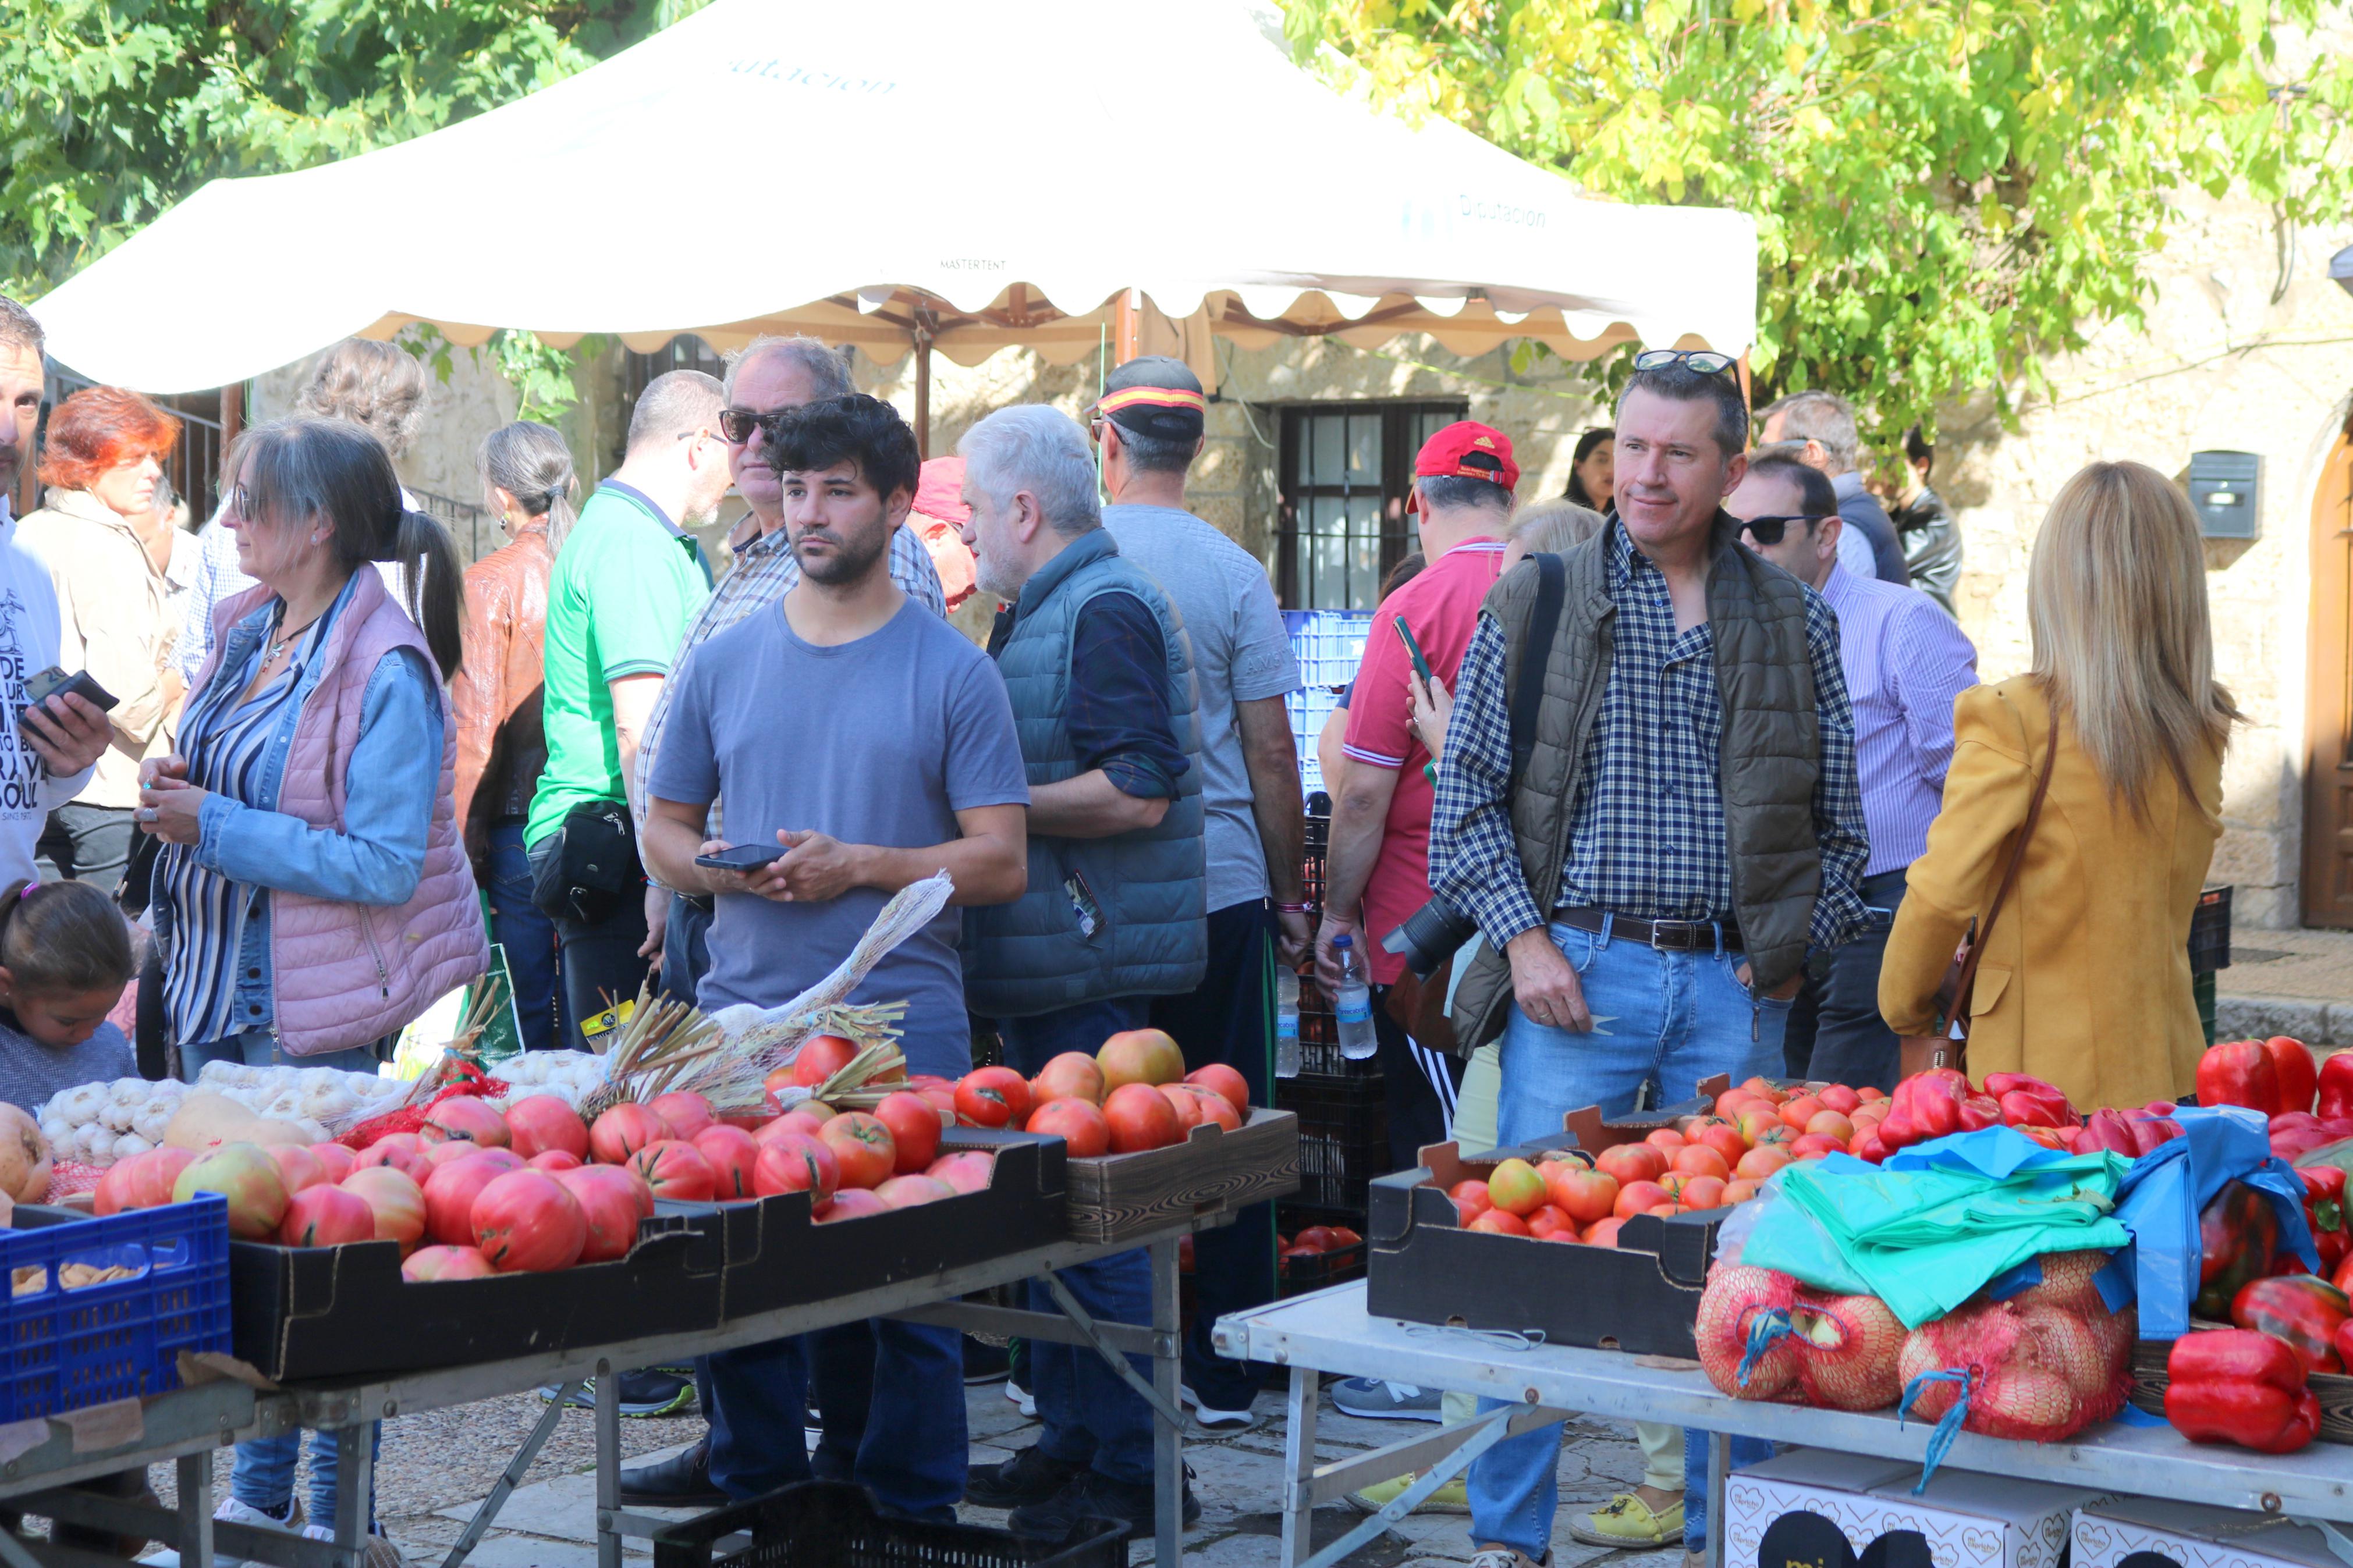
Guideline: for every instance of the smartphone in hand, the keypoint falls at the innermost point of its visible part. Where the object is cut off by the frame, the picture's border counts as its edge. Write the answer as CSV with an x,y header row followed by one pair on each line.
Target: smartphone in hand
x,y
743,858
55,682
1413,650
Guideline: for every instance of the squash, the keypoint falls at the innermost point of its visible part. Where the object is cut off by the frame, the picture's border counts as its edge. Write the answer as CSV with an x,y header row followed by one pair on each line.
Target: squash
x,y
23,1156
207,1121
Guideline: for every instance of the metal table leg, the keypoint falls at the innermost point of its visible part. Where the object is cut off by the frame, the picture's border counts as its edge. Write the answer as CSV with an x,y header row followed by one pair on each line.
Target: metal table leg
x,y
1298,1467
608,1464
1167,1436
510,1478
355,1491
196,1477
1719,1463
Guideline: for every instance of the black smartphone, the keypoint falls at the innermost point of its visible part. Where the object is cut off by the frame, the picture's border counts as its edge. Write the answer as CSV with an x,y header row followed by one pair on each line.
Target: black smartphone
x,y
53,681
743,858
1413,650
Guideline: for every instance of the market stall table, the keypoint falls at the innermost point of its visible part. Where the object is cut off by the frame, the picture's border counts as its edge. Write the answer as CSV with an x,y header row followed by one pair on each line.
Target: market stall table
x,y
1330,1332
187,1426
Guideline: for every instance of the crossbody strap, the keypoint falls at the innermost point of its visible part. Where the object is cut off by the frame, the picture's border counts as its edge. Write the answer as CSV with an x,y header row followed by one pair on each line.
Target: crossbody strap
x,y
2009,873
1536,653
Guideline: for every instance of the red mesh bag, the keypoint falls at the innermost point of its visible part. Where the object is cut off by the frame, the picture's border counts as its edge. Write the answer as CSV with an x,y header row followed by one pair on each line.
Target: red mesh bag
x,y
1848,1348
1747,1344
470,1079
2025,1368
67,1178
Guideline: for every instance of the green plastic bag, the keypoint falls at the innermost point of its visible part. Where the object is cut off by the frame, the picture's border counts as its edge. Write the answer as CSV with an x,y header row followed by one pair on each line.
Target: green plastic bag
x,y
1928,1229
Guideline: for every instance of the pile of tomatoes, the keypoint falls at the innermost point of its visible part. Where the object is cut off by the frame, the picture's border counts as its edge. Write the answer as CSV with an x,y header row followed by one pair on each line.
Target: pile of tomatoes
x,y
1131,1095
1703,1162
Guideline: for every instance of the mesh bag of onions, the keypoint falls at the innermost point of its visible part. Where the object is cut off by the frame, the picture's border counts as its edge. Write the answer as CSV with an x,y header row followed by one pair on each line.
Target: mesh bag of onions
x,y
1762,1335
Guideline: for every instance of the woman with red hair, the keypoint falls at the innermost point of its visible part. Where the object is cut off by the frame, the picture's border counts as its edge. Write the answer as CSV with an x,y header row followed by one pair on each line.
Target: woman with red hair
x,y
105,531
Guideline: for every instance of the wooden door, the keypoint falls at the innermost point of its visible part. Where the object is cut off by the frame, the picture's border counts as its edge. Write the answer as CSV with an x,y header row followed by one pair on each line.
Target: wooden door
x,y
2328,718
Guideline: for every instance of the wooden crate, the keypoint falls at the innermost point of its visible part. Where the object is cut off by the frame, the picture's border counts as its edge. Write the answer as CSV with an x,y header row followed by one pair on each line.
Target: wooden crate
x,y
1114,1196
2334,1389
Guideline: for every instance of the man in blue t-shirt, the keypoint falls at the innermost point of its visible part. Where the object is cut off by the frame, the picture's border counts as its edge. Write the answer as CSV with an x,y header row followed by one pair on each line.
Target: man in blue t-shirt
x,y
897,761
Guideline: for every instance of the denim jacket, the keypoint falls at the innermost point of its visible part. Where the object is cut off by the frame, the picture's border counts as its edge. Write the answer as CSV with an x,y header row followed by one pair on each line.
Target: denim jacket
x,y
380,853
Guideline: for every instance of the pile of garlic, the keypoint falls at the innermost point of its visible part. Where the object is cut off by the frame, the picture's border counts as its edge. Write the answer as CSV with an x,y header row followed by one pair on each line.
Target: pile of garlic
x,y
569,1076
322,1097
98,1123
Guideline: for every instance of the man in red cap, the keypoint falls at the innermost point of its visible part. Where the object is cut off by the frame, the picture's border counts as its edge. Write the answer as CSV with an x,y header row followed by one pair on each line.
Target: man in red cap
x,y
1377,870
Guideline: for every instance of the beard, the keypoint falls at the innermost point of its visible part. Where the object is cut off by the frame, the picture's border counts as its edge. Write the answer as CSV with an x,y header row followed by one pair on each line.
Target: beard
x,y
991,576
854,556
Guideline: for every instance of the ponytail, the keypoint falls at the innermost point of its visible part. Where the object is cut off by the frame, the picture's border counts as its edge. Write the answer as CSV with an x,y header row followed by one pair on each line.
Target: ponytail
x,y
422,549
62,937
529,461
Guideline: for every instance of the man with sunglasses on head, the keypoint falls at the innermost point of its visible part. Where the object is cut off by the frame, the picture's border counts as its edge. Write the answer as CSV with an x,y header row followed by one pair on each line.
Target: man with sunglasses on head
x,y
1680,821
1906,662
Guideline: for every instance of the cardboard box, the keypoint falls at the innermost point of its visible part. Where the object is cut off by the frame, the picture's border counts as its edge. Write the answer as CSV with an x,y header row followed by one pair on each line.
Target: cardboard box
x,y
2149,1533
1814,1509
1114,1196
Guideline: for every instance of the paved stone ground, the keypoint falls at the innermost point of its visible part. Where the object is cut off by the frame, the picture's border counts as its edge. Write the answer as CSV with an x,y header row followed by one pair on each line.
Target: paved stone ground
x,y
2297,982
549,1523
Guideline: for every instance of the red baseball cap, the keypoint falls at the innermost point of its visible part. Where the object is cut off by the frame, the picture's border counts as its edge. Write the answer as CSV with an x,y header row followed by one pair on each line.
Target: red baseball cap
x,y
1466,449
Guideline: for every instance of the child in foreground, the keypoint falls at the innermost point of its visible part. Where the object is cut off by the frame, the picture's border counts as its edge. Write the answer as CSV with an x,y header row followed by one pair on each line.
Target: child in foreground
x,y
65,958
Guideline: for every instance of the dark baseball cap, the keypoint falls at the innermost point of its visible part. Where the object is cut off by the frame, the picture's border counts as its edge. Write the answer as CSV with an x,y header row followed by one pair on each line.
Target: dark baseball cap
x,y
1156,396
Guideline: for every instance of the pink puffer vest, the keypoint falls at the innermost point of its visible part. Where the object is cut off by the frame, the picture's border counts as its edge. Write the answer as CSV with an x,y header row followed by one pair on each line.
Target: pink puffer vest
x,y
345,975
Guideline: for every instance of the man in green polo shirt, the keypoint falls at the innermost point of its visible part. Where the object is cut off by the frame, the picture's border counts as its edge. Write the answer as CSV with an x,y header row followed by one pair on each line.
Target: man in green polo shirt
x,y
628,578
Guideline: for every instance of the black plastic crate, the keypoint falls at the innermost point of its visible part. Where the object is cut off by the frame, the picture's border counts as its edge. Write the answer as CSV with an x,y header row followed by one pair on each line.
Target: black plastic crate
x,y
1319,1039
1302,1274
833,1524
2210,931
1352,1108
1318,841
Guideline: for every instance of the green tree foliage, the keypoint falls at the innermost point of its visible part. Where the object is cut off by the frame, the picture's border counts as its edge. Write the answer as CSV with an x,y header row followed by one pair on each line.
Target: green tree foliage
x,y
1944,191
110,111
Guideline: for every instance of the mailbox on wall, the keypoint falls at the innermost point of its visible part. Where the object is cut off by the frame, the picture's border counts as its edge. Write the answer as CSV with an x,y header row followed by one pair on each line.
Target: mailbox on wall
x,y
2226,489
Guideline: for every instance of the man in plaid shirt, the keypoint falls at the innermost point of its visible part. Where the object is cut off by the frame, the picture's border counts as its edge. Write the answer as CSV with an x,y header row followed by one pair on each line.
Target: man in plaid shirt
x,y
1628,967
768,377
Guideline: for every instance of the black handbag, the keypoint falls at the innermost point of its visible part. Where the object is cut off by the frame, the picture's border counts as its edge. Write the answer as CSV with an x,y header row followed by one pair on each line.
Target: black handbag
x,y
593,867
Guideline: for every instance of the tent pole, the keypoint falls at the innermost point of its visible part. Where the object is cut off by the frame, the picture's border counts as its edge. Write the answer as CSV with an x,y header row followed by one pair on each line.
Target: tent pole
x,y
923,393
1123,328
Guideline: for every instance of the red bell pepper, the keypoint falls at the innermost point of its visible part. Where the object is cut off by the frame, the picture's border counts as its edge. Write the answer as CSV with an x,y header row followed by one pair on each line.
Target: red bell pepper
x,y
1927,1105
2154,1131
2229,1386
2336,1086
2299,1311
2293,1132
2029,1101
2298,1074
2126,1133
2324,1214
2238,1237
2240,1072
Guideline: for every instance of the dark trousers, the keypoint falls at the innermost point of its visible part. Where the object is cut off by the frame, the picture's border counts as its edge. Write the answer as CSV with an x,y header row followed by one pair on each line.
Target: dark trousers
x,y
1835,1031
528,937
1231,1019
599,963
1420,1085
86,844
1089,1415
686,948
906,1379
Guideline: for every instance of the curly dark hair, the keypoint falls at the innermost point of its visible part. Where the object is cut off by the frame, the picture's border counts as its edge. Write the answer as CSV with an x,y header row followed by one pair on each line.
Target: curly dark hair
x,y
858,429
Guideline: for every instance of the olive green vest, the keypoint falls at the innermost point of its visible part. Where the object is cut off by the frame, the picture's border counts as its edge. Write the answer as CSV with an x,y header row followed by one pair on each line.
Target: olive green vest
x,y
1769,762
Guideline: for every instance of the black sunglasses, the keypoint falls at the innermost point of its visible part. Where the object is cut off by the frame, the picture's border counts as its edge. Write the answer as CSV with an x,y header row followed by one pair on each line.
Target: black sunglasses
x,y
737,424
1707,362
1770,530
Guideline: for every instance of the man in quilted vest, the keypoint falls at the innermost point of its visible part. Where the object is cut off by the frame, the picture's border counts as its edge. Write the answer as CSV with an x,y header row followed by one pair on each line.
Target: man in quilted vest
x,y
1681,822
1099,674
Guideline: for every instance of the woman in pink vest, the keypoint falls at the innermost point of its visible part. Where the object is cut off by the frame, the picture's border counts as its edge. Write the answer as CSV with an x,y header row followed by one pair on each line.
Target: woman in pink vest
x,y
313,896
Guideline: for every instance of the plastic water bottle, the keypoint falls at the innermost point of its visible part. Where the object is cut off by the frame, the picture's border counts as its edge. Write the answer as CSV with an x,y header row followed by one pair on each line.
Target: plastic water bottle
x,y
1286,1021
1352,1007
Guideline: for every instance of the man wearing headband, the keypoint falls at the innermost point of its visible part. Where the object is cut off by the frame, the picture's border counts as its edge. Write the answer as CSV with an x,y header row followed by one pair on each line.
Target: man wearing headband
x,y
1148,427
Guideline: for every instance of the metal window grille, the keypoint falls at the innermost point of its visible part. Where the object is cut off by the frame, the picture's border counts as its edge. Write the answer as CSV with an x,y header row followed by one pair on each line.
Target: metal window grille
x,y
1348,469
194,468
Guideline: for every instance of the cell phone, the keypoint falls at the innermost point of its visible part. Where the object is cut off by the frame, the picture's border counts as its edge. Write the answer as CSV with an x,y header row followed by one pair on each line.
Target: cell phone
x,y
54,681
1413,650
743,858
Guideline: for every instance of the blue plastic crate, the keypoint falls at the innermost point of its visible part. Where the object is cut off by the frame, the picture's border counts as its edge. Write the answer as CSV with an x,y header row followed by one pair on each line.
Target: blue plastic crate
x,y
67,1349
1328,645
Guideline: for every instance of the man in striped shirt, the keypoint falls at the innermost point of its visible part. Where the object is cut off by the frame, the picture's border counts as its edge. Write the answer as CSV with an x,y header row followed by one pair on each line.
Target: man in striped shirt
x,y
1905,661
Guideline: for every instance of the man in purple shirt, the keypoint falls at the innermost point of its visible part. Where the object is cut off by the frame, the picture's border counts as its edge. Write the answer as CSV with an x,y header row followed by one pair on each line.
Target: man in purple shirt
x,y
1905,661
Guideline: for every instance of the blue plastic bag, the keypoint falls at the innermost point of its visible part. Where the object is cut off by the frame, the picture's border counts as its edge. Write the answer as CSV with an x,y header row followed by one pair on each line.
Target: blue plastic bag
x,y
2165,1191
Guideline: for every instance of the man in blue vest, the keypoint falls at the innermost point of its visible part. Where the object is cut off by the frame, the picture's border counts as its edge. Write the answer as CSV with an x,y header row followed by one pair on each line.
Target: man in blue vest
x,y
1099,674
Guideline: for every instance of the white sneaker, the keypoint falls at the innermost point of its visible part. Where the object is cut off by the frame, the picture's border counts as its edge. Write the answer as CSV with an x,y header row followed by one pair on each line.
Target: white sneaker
x,y
232,1512
1215,1420
1023,1400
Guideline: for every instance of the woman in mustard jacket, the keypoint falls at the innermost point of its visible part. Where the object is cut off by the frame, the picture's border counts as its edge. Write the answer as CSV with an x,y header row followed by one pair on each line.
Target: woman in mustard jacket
x,y
2086,976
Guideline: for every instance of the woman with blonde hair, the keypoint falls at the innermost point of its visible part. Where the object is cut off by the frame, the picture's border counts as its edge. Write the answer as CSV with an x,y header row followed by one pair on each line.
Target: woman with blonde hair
x,y
2083,977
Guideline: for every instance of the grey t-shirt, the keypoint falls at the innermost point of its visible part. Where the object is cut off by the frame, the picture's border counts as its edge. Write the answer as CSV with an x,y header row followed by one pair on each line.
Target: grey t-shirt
x,y
1242,653
880,741
31,1072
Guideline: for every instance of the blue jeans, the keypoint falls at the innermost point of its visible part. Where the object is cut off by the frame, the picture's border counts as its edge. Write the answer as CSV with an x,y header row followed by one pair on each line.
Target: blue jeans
x,y
1745,1451
1673,1019
1089,1416
915,1450
258,1049
264,1475
528,936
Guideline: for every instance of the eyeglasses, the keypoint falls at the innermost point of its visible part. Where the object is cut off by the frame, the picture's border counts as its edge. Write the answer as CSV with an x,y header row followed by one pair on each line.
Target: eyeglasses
x,y
1707,362
1770,530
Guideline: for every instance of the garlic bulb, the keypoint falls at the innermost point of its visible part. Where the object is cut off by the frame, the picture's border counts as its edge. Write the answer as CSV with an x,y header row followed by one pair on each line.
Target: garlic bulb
x,y
130,1143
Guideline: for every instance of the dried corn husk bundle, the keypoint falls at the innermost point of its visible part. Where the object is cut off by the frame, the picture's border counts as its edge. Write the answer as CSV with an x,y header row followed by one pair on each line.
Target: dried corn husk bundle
x,y
662,1044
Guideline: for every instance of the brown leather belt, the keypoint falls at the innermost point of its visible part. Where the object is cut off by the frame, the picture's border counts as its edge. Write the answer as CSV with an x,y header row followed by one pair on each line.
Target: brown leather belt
x,y
1663,936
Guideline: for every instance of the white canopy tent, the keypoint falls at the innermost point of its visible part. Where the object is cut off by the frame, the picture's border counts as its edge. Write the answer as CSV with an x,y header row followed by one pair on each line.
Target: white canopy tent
x,y
905,173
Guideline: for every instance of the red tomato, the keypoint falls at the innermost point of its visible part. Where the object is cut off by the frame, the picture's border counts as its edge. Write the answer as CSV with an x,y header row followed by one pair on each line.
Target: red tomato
x,y
397,1199
675,1170
1841,1099
1814,1145
1471,1199
1738,1192
1666,1137
687,1112
326,1216
297,1166
1496,1222
553,1160
1760,1162
1141,1118
1222,1080
1638,1197
1699,1160
450,1195
820,1057
1077,1122
1074,1075
863,1147
1584,1194
1604,1233
430,1263
612,1199
528,1222
464,1119
1547,1219
1726,1139
914,1128
1140,1056
992,1097
1185,1103
540,1123
796,1163
851,1203
1215,1106
731,1153
338,1160
404,1152
1632,1162
1702,1192
1763,1088
1797,1113
623,1131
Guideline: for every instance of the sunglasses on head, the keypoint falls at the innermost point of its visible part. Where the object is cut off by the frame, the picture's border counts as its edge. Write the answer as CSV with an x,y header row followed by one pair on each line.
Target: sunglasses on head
x,y
1707,362
1770,530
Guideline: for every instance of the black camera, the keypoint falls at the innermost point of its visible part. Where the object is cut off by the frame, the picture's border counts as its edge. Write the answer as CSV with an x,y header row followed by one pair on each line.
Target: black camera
x,y
1430,936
